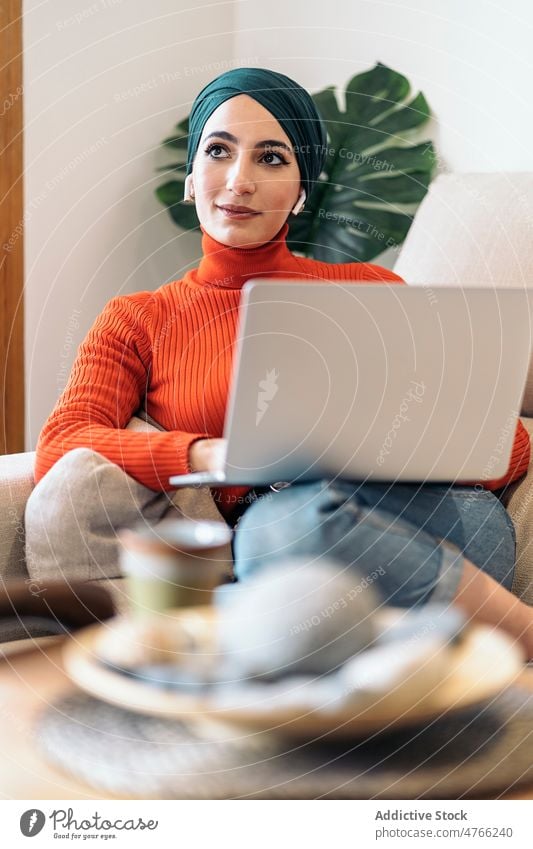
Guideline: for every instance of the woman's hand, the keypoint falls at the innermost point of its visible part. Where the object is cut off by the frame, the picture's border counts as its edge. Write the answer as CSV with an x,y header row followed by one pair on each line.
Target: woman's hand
x,y
208,455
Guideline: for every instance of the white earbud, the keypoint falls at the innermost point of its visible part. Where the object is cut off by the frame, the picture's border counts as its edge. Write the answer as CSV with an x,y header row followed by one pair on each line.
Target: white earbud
x,y
188,190
299,205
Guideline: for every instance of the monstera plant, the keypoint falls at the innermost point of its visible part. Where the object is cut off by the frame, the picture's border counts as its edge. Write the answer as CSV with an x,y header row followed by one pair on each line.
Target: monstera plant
x,y
376,172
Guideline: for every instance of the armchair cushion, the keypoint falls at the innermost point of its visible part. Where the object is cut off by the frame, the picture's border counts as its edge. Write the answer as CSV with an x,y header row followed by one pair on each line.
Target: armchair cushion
x,y
473,230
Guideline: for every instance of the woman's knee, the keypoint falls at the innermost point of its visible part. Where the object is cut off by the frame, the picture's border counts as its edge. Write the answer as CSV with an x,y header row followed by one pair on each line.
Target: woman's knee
x,y
333,519
273,525
305,518
490,538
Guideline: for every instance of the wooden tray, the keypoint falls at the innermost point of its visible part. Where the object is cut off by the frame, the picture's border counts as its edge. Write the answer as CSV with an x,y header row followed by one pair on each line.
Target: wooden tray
x,y
458,676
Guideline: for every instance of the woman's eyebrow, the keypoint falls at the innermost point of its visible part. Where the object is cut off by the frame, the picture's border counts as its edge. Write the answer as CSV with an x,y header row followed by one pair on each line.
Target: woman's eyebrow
x,y
223,134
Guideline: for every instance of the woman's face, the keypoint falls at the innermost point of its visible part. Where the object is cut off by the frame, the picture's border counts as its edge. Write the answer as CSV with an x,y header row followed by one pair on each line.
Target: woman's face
x,y
244,159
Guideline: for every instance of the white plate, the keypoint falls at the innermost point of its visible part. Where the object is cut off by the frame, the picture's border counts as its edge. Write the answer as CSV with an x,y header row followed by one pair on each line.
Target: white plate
x,y
456,676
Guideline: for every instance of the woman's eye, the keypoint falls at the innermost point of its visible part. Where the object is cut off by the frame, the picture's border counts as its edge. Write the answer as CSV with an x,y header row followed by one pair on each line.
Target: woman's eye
x,y
214,147
280,159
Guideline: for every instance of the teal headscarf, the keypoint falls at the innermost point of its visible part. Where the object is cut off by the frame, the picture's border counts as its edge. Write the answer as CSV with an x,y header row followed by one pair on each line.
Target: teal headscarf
x,y
290,104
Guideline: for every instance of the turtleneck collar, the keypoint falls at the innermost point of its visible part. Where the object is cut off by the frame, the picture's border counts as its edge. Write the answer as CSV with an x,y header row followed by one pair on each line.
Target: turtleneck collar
x,y
226,267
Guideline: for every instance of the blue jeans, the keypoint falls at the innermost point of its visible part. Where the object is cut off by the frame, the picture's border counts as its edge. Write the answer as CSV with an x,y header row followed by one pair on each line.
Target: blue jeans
x,y
418,534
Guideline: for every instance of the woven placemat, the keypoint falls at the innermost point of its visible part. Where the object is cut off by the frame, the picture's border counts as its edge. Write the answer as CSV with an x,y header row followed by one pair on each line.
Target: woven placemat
x,y
469,753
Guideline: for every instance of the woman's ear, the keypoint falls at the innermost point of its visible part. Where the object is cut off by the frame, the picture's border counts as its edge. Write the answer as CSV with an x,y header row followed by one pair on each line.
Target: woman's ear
x,y
299,205
188,190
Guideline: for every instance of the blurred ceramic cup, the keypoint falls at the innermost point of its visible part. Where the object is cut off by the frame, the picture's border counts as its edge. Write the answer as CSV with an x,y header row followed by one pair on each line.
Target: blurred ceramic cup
x,y
177,563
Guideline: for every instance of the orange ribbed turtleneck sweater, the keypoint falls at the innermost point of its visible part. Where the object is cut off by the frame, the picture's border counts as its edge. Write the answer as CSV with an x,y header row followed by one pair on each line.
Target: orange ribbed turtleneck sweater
x,y
170,352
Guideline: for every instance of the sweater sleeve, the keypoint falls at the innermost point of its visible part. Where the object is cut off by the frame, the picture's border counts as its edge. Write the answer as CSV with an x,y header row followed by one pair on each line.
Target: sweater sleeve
x,y
378,274
106,386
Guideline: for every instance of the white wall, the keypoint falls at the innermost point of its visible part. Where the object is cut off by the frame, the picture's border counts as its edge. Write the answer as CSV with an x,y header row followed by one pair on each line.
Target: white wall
x,y
471,58
106,80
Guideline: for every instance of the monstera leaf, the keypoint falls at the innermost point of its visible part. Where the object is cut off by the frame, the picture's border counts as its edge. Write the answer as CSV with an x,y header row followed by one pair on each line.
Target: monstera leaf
x,y
374,176
171,193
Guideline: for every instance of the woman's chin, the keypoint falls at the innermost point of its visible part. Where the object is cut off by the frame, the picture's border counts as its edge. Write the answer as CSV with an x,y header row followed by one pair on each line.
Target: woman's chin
x,y
243,233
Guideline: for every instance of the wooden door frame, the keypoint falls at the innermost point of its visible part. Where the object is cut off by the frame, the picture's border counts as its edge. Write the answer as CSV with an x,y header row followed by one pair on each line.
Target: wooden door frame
x,y
11,230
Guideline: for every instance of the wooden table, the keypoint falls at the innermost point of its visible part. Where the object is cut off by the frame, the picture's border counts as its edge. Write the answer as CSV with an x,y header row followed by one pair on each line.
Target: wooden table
x,y
31,676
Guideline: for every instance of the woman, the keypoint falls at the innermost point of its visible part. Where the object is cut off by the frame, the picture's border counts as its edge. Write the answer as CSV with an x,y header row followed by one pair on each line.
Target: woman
x,y
256,146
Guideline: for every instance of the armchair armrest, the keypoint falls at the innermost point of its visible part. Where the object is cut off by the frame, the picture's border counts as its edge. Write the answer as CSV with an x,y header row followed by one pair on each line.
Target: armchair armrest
x,y
16,484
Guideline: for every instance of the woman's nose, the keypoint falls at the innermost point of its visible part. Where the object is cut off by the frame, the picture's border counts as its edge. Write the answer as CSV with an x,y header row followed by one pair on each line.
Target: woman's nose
x,y
239,179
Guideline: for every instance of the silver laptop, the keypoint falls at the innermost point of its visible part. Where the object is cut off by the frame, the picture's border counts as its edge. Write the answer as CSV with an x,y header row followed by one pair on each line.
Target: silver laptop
x,y
373,382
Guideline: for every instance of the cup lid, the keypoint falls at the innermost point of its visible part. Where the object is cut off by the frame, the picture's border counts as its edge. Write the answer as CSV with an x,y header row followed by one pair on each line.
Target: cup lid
x,y
177,534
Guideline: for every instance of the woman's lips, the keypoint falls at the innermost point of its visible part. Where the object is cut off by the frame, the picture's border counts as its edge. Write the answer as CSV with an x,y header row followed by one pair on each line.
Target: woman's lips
x,y
237,214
